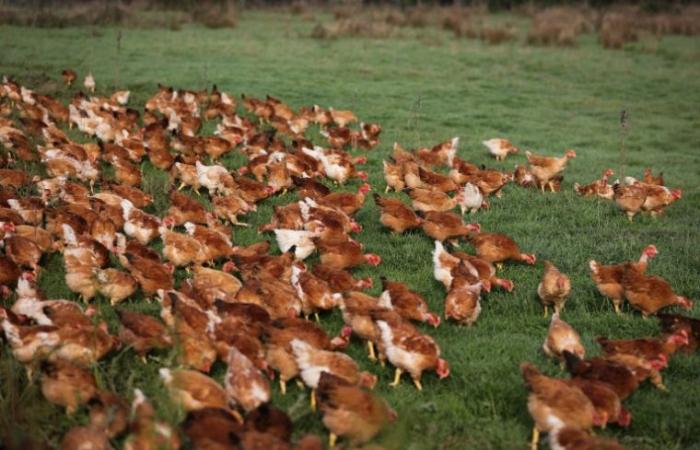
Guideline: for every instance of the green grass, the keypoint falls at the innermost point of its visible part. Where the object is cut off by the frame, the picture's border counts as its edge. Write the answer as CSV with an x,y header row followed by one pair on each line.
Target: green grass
x,y
422,88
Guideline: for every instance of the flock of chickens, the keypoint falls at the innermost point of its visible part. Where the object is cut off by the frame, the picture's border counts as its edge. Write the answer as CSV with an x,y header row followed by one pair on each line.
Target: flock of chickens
x,y
88,205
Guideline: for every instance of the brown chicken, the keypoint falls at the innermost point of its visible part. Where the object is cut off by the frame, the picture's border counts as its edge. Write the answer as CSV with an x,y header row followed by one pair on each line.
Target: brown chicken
x,y
142,332
553,404
109,412
608,279
69,77
314,293
345,254
434,180
445,225
486,272
629,199
67,385
616,375
193,390
562,336
545,168
349,411
657,198
605,401
115,285
554,288
394,176
411,352
341,280
151,275
211,428
432,200
185,209
463,300
649,178
649,294
670,323
409,304
396,215
497,247
655,351
346,202
599,188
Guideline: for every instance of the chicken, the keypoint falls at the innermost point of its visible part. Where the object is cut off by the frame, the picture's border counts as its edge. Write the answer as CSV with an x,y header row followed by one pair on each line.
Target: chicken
x,y
607,405
640,368
313,362
441,154
180,249
655,351
472,199
599,188
142,332
562,336
85,438
649,178
67,385
89,82
490,182
554,288
445,225
215,178
657,198
345,254
497,247
300,241
411,352
432,200
215,285
340,280
394,176
616,375
109,412
211,428
395,215
572,438
649,294
22,251
630,199
500,148
9,274
69,77
148,433
443,265
193,390
409,304
523,177
608,279
244,382
670,323
151,275
349,411
346,202
342,118
553,404
545,168
229,207
336,167
270,420
139,225
486,272
185,209
314,293
115,284
462,303
279,336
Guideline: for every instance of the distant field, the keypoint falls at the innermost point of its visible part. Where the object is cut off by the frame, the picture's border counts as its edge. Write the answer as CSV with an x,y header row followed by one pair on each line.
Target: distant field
x,y
425,86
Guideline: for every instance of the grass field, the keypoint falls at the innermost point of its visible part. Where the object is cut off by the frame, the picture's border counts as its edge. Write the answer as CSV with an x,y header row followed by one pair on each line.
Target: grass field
x,y
423,87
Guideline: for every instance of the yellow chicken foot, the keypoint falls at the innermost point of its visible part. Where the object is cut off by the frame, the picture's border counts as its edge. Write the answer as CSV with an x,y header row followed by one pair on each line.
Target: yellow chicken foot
x,y
318,319
417,383
332,439
397,378
313,399
283,386
181,187
300,384
535,438
499,266
387,189
143,359
370,351
545,311
618,311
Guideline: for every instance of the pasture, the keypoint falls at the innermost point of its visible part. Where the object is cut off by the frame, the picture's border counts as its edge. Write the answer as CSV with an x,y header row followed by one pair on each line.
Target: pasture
x,y
424,86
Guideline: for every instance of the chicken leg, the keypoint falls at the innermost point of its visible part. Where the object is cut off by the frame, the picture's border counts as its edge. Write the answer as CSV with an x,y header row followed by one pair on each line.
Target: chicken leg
x,y
535,438
283,386
313,400
332,438
545,311
370,351
397,378
419,386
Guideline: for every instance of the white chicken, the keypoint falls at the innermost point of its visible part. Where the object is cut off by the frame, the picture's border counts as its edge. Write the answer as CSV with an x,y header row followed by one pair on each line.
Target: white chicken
x,y
215,178
137,224
244,382
471,199
89,82
443,263
332,164
302,240
500,148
